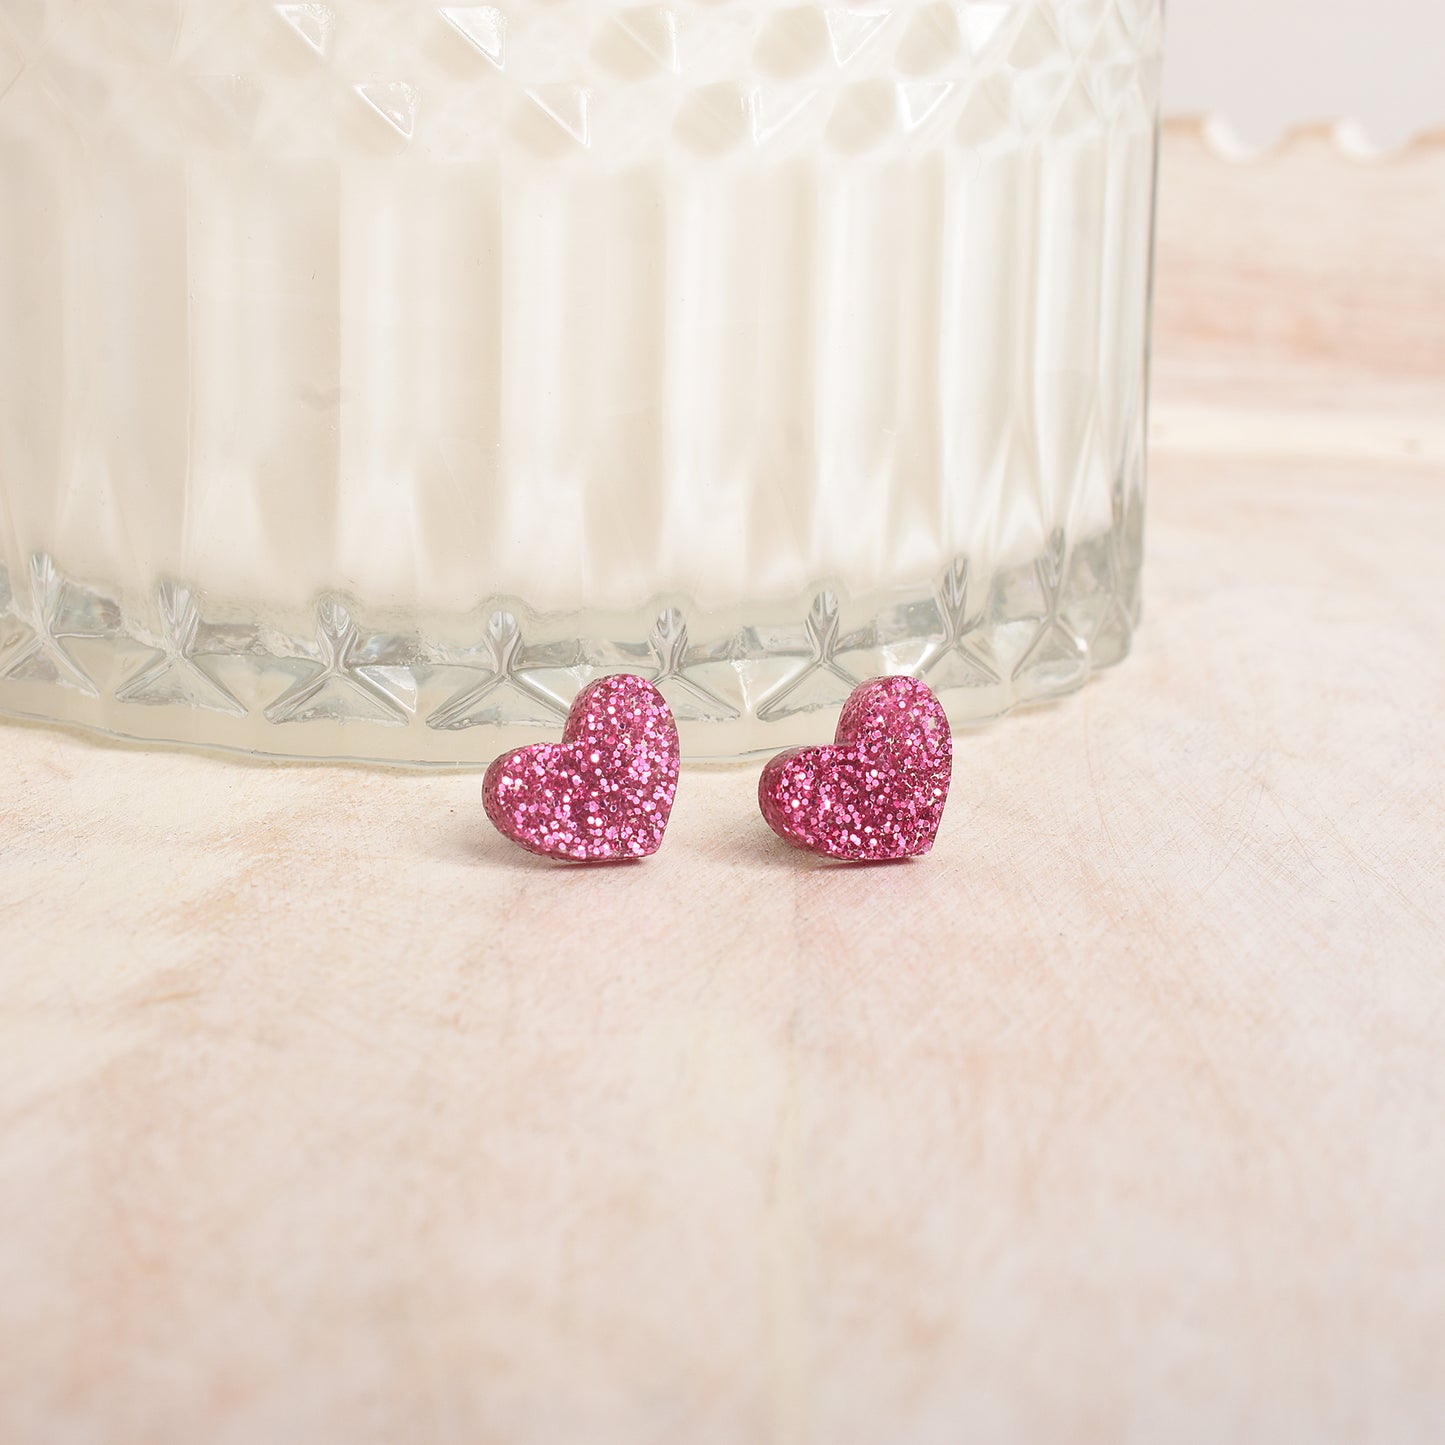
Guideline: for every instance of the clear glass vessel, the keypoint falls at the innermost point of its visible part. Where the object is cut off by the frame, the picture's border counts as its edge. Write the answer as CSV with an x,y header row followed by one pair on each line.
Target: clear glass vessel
x,y
374,373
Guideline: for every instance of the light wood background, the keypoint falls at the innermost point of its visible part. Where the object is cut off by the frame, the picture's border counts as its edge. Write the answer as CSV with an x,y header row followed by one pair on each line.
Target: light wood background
x,y
324,1117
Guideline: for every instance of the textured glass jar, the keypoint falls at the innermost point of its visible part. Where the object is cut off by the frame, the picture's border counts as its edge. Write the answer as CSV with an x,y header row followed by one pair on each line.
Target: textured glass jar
x,y
373,373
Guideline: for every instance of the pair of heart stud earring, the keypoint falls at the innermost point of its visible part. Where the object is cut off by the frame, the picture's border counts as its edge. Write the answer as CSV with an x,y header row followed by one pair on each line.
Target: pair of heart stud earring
x,y
605,792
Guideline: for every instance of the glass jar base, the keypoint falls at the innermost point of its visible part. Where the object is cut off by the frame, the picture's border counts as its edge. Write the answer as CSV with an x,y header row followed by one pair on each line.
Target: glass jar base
x,y
360,684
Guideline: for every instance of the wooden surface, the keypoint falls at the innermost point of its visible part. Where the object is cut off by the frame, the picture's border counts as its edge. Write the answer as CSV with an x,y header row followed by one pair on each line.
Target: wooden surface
x,y
326,1117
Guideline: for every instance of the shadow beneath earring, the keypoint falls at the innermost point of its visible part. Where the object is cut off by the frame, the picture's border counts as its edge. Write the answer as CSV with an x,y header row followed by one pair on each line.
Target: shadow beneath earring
x,y
471,840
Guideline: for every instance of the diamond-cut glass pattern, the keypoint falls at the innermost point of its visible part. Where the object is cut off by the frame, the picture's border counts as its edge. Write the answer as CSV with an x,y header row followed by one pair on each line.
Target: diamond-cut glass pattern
x,y
375,373
407,697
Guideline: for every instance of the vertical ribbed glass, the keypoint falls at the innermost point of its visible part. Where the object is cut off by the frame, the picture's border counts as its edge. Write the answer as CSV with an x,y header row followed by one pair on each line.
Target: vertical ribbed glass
x,y
374,373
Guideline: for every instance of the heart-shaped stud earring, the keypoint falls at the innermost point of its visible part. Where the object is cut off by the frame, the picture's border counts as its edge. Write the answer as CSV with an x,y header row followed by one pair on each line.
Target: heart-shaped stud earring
x,y
878,792
604,793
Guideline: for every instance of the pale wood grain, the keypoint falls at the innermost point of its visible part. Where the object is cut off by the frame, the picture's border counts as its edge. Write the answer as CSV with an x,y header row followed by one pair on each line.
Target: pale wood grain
x,y
1301,273
328,1118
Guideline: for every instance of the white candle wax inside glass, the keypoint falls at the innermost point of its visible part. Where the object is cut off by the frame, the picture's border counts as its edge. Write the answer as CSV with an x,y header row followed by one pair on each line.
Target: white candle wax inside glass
x,y
540,340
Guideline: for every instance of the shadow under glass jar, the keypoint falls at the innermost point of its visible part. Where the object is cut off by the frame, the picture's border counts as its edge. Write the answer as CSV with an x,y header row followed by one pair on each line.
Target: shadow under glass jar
x,y
374,374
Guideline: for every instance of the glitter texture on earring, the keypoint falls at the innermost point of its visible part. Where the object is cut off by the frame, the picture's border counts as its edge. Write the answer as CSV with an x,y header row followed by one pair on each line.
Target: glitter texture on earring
x,y
878,792
605,792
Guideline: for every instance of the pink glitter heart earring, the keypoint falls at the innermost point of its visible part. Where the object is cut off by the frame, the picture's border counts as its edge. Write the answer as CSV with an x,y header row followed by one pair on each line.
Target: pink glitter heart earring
x,y
878,792
604,793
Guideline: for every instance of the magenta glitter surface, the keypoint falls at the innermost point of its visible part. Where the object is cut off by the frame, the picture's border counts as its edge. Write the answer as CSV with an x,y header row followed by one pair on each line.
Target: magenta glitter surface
x,y
878,792
604,793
